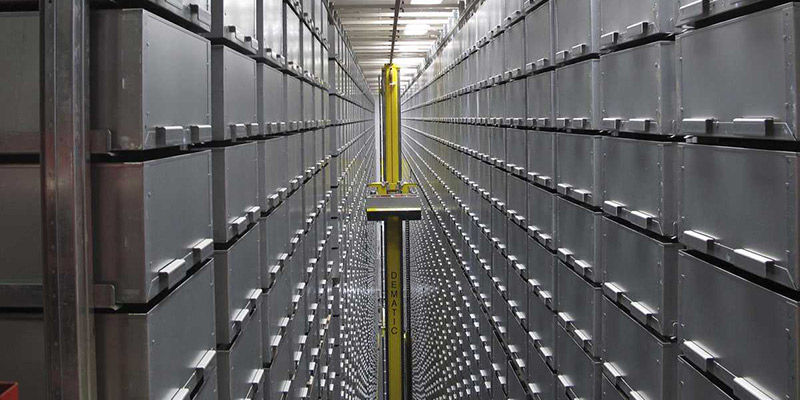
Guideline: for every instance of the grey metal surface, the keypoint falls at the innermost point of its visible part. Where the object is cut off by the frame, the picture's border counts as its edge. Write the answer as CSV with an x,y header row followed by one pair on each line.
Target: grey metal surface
x,y
693,385
577,28
760,188
578,239
541,102
577,97
691,11
542,216
234,189
272,182
540,37
738,331
166,70
638,89
578,173
269,29
578,303
271,99
639,183
235,21
234,94
21,234
156,353
761,103
542,158
624,20
19,40
578,374
541,379
240,372
640,275
542,267
238,285
635,360
151,223
541,328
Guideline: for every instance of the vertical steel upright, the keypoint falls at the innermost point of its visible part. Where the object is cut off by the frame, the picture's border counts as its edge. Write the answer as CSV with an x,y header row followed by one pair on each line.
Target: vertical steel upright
x,y
69,326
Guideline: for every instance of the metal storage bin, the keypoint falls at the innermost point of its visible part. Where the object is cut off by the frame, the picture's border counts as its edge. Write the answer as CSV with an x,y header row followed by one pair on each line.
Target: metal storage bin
x,y
635,360
272,182
235,21
691,11
238,288
640,275
539,37
271,100
609,391
274,243
693,385
151,223
163,352
578,170
577,101
578,305
21,233
579,375
22,335
515,103
241,373
235,190
576,28
762,103
234,97
542,268
517,201
19,41
514,48
541,327
638,88
516,151
172,70
541,216
716,183
541,147
625,20
294,105
639,183
742,333
578,239
269,30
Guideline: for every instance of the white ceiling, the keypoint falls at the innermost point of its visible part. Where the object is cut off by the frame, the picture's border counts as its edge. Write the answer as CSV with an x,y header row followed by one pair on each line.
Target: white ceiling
x,y
368,24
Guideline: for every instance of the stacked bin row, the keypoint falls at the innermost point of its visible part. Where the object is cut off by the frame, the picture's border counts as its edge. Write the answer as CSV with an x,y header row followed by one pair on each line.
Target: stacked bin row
x,y
211,202
624,190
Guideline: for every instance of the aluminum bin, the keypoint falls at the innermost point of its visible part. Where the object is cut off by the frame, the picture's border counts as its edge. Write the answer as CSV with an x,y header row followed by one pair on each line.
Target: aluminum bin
x,y
577,97
691,11
21,232
577,28
234,95
541,151
539,37
578,239
272,182
578,167
168,101
640,275
541,216
739,205
163,351
579,375
235,190
693,385
235,22
638,183
238,284
513,39
241,373
19,42
542,268
271,100
578,305
635,360
762,104
624,21
638,89
737,331
540,99
151,222
517,201
269,30
541,328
